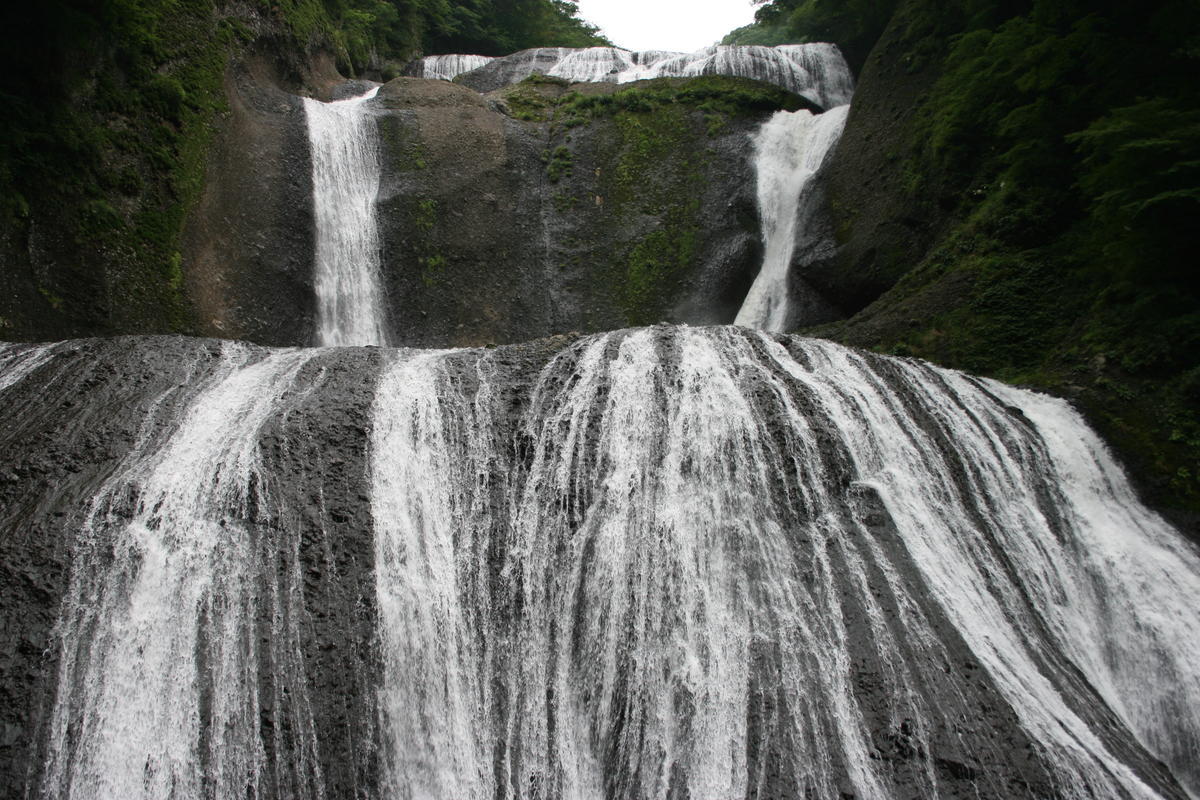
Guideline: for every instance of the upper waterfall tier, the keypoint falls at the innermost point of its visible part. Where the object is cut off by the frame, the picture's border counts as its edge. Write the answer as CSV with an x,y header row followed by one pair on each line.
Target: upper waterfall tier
x,y
659,562
345,175
446,67
789,151
817,72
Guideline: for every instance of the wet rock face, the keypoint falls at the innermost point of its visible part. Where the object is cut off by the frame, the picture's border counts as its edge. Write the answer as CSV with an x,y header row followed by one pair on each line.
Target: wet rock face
x,y
493,229
857,664
512,68
880,234
248,245
496,229
57,454
314,599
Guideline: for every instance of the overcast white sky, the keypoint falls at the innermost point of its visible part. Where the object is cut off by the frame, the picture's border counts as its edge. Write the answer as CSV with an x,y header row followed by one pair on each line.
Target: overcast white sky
x,y
683,25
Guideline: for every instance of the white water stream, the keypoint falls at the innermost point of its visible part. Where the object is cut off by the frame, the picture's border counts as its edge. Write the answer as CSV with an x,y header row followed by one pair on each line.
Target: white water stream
x,y
815,71
345,160
158,628
695,525
669,562
448,67
788,153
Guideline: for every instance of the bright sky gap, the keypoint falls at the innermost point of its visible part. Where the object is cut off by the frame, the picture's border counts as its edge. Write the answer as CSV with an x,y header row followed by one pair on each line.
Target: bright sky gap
x,y
682,25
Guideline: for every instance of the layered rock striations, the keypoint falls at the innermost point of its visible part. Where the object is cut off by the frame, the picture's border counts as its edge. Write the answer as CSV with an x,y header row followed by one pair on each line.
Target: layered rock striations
x,y
669,556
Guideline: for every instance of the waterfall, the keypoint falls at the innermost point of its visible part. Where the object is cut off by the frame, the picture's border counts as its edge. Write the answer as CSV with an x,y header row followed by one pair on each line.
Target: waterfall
x,y
446,67
789,151
159,667
17,362
429,584
730,565
648,564
817,72
346,170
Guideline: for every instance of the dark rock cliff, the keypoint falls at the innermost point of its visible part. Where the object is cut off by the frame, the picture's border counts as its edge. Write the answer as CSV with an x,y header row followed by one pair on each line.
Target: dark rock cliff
x,y
247,247
503,217
880,233
966,203
88,411
497,229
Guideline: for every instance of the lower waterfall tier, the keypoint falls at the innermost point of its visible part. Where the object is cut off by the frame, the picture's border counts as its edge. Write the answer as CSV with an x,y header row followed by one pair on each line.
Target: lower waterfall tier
x,y
662,563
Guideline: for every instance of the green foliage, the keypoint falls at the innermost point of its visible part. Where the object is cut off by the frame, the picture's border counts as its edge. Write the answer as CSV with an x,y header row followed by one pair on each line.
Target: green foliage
x,y
499,27
559,162
105,114
854,25
716,95
1141,177
760,34
1060,150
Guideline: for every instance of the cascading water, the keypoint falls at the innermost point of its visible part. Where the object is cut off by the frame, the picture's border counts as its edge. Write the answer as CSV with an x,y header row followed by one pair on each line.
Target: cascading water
x,y
346,170
446,67
817,72
158,671
645,565
735,566
657,563
789,151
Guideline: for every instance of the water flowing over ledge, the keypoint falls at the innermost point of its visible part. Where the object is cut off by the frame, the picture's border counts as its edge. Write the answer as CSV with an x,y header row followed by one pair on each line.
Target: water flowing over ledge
x,y
647,564
446,67
346,169
788,152
816,71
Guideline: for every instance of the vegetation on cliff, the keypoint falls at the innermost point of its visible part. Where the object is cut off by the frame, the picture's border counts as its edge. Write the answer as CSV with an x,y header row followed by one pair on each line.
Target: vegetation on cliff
x,y
370,32
854,24
107,111
1057,156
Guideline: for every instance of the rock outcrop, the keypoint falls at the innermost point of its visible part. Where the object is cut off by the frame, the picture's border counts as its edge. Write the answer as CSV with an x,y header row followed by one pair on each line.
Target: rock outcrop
x,y
540,208
498,229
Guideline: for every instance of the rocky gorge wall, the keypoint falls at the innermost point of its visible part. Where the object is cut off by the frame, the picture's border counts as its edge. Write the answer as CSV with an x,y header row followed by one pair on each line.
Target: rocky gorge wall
x,y
497,228
539,208
355,572
966,199
532,209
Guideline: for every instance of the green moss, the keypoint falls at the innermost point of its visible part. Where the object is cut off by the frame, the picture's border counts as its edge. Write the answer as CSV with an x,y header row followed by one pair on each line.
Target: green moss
x,y
54,300
424,220
403,143
652,266
559,162
431,269
564,203
528,105
658,173
713,94
540,98
546,80
425,217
